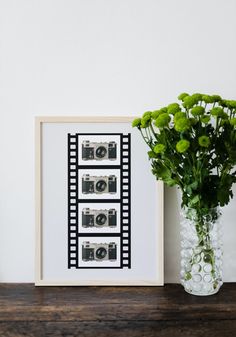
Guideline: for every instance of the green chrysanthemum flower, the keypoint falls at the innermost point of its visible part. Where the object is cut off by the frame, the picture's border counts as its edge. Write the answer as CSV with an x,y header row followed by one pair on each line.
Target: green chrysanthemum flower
x,y
217,112
231,104
224,115
233,122
205,119
156,114
147,114
197,111
182,145
159,148
204,141
207,99
193,121
173,108
197,97
223,103
179,115
216,98
182,96
163,120
145,121
163,110
182,124
189,102
136,123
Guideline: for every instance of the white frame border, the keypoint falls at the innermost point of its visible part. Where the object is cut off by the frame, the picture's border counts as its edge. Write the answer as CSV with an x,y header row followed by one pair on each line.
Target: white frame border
x,y
39,281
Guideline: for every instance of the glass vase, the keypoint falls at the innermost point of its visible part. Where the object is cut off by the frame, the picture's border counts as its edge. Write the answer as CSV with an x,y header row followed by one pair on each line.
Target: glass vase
x,y
201,251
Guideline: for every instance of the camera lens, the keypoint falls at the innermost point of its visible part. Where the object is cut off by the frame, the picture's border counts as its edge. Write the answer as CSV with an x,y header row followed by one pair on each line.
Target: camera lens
x,y
101,152
101,219
101,252
101,185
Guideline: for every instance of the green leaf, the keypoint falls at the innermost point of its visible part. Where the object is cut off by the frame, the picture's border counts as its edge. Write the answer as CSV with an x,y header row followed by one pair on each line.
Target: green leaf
x,y
152,154
194,185
194,200
170,182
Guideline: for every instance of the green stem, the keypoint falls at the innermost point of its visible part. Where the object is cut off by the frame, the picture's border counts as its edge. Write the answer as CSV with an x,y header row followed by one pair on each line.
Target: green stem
x,y
144,138
153,131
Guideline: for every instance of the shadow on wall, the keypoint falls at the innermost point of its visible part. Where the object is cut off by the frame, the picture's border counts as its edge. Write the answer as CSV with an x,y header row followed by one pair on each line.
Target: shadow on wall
x,y
172,202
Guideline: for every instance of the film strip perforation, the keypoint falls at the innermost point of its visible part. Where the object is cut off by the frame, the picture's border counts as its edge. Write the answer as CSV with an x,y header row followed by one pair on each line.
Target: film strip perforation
x,y
125,204
72,201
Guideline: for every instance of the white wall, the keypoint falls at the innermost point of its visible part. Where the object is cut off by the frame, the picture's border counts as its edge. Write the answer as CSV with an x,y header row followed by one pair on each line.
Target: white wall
x,y
102,57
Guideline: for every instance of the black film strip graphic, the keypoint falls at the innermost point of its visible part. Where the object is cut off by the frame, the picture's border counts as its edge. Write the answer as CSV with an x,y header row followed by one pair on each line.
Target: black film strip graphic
x,y
124,201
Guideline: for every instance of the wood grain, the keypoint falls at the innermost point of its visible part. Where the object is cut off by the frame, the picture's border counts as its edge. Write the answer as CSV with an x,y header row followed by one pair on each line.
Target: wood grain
x,y
120,329
26,310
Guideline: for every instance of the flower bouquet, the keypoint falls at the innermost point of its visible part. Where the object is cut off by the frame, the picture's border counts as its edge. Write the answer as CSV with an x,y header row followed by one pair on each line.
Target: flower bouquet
x,y
192,144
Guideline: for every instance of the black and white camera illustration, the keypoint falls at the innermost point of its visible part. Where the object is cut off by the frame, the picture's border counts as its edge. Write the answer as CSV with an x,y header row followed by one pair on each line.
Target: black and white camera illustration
x,y
99,184
99,218
99,251
99,150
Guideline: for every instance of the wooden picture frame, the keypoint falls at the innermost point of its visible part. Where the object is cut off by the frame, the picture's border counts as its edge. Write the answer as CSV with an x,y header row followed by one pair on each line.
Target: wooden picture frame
x,y
95,250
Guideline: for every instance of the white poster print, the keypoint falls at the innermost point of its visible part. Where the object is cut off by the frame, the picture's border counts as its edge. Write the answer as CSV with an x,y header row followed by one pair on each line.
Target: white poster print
x,y
69,253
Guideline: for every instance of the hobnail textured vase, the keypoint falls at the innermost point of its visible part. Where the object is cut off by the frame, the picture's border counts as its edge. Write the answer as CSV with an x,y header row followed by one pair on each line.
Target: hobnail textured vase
x,y
201,251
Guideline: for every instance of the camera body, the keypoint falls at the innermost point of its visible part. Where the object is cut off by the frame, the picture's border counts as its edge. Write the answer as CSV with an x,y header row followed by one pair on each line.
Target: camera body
x,y
99,251
99,184
99,218
99,151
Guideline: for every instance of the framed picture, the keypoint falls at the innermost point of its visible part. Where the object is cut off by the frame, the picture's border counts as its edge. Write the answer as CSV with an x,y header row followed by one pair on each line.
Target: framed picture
x,y
99,210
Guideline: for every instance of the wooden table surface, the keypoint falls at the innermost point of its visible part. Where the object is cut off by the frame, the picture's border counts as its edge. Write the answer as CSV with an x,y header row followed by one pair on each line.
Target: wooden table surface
x,y
26,310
